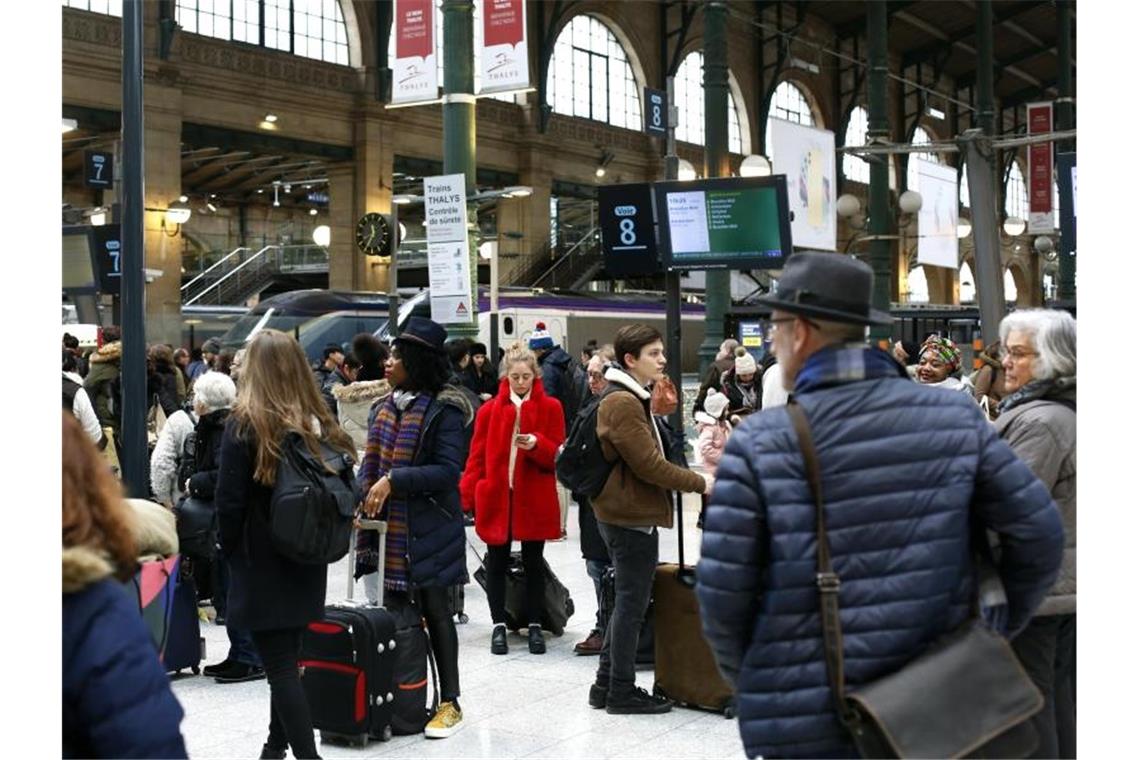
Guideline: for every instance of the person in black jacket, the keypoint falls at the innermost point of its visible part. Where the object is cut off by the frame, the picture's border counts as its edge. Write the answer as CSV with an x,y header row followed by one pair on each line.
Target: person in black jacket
x,y
164,379
481,376
272,596
415,452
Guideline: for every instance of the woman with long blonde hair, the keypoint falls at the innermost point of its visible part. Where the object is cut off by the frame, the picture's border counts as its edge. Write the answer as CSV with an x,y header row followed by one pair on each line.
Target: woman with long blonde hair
x,y
270,595
509,482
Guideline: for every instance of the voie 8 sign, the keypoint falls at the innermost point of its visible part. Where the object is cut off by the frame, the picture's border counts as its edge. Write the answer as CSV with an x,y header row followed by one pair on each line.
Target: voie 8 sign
x,y
629,241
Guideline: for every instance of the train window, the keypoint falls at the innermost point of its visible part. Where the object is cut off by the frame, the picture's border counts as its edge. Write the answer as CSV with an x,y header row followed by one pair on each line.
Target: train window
x,y
508,325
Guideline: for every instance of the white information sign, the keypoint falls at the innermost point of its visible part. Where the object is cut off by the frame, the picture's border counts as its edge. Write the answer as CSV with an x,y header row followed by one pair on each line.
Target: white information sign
x,y
445,208
807,156
938,218
449,310
449,270
414,70
688,221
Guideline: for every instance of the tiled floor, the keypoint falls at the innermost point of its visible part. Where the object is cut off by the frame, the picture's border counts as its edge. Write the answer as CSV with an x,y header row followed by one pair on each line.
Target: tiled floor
x,y
519,705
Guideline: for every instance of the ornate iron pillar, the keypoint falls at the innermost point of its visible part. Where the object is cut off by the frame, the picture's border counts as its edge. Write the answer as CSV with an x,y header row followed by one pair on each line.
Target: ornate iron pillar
x,y
1065,113
878,130
717,294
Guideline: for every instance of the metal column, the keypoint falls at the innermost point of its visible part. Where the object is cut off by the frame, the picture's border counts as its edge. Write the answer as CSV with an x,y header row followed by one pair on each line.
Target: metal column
x,y
133,285
1067,287
717,282
878,130
459,127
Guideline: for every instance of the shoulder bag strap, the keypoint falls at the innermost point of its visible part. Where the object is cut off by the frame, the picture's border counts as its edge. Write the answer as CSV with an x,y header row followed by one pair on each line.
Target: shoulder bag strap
x,y
825,578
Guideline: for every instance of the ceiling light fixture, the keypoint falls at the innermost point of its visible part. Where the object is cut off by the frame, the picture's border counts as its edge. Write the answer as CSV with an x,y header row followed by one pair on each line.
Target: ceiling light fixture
x,y
271,118
312,212
70,125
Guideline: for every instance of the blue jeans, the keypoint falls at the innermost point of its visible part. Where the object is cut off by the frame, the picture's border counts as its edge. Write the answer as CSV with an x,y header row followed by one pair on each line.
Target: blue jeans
x,y
596,568
242,648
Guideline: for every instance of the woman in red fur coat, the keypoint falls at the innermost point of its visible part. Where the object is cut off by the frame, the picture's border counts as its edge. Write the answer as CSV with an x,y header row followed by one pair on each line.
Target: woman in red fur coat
x,y
509,482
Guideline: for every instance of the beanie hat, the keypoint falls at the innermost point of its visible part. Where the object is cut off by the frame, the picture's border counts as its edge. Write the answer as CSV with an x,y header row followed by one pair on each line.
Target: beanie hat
x,y
540,338
715,404
212,346
478,349
745,364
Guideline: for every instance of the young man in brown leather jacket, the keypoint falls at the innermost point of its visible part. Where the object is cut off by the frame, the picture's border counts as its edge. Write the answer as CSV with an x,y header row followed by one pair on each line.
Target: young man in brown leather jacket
x,y
631,506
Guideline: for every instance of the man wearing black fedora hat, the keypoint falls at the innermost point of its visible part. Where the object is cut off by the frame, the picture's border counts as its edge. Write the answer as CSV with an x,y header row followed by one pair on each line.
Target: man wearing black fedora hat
x,y
903,471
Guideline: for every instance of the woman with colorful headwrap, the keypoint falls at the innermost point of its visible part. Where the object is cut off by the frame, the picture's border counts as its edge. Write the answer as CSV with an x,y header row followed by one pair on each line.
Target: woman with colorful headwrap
x,y
939,362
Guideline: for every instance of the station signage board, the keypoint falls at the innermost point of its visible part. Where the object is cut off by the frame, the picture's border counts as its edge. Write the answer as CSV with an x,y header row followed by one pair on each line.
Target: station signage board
x,y
625,220
98,169
656,112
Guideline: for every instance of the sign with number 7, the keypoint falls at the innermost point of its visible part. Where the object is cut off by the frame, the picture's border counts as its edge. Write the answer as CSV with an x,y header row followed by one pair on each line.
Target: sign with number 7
x,y
98,169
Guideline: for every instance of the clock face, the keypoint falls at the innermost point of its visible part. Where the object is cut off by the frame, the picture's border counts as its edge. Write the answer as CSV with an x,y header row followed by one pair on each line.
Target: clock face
x,y
373,235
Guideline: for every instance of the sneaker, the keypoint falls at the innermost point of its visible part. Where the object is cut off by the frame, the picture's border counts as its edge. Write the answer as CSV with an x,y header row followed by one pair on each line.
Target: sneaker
x,y
535,642
598,696
637,702
448,719
213,670
499,639
592,644
240,672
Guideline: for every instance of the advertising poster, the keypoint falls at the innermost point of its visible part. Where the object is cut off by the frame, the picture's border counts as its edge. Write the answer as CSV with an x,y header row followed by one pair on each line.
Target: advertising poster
x,y
1040,120
504,58
414,75
807,156
938,218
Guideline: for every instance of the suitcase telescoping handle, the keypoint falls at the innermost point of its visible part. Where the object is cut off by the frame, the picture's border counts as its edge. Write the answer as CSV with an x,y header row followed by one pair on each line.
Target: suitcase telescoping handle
x,y
381,527
685,575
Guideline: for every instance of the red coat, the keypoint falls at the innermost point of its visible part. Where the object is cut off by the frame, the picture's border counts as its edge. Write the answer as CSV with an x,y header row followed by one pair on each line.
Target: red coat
x,y
485,486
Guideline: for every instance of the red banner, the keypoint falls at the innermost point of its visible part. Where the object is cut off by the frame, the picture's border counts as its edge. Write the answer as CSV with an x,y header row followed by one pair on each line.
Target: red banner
x,y
1040,121
503,22
413,28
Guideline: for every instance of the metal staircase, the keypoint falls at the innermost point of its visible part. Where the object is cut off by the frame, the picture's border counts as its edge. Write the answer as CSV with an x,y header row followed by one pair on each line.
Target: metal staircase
x,y
244,273
576,266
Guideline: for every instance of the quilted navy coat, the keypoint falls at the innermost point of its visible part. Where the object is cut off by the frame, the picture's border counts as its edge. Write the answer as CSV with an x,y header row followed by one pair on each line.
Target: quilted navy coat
x,y
903,469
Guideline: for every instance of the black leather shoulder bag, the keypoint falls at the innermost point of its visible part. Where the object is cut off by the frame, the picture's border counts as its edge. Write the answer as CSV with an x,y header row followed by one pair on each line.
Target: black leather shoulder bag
x,y
967,695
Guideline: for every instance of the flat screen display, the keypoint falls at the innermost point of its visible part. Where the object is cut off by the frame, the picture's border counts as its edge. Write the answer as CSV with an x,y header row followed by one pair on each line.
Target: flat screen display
x,y
78,271
725,223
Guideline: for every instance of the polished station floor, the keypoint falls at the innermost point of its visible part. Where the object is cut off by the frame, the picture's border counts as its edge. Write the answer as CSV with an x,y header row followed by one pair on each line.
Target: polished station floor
x,y
518,705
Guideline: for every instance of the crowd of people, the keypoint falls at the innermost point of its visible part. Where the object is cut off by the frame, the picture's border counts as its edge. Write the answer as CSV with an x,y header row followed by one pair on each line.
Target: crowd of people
x,y
445,435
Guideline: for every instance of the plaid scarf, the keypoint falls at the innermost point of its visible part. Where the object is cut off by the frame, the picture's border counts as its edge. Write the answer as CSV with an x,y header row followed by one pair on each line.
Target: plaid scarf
x,y
392,442
837,365
1061,389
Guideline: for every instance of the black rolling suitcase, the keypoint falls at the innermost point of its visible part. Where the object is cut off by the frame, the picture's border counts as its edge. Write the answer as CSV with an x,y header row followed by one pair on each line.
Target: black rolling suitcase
x,y
185,645
364,668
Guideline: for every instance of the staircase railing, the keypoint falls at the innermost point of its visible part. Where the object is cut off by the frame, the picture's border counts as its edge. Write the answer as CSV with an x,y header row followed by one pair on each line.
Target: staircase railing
x,y
209,275
576,261
255,272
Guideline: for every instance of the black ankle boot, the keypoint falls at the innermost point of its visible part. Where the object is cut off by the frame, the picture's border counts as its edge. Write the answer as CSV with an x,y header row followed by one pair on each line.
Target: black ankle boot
x,y
499,639
535,641
270,753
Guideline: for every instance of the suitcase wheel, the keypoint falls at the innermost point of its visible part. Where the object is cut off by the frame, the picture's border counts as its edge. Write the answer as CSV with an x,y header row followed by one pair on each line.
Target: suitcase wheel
x,y
195,669
463,617
385,735
730,712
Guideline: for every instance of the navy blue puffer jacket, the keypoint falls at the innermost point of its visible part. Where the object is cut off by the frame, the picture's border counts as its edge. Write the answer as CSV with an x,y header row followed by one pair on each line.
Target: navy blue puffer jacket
x,y
903,468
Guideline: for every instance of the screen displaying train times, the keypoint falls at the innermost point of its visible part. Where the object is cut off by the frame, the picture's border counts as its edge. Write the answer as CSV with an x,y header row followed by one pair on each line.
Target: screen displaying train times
x,y
729,223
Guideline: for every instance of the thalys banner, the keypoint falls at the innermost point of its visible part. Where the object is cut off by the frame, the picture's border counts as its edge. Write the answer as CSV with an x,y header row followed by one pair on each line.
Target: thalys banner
x,y
504,63
414,70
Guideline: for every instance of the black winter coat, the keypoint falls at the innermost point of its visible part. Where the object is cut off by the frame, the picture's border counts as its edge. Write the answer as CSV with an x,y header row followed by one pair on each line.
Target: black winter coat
x,y
267,590
207,444
485,382
163,383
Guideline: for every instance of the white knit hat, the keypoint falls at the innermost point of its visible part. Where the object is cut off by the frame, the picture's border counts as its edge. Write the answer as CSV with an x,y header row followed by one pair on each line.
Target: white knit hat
x,y
745,364
715,404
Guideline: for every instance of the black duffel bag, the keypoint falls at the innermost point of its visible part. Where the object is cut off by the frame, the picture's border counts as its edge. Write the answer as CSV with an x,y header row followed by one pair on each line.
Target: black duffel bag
x,y
197,522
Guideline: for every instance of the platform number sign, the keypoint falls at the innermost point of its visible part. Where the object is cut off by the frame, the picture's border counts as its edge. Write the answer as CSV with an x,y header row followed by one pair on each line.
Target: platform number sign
x,y
99,169
629,242
107,247
656,112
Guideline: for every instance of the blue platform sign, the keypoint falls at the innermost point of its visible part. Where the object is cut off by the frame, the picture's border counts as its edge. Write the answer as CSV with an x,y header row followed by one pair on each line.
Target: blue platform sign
x,y
656,112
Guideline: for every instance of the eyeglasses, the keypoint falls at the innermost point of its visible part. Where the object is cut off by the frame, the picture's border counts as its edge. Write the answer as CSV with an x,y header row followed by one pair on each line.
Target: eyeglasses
x,y
1015,352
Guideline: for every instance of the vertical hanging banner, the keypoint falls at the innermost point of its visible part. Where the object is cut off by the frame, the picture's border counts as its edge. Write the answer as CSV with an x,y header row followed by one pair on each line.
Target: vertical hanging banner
x,y
938,218
1040,121
449,262
807,156
504,61
414,75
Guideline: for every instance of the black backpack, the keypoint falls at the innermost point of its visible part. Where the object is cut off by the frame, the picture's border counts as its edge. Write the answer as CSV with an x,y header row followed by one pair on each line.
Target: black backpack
x,y
580,465
313,503
186,460
573,384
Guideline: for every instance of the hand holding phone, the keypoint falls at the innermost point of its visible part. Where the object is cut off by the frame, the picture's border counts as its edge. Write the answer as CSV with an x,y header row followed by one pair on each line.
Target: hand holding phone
x,y
525,441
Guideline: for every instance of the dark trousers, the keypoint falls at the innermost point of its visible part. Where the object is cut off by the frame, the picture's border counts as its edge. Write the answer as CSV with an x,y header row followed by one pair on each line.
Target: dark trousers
x,y
634,555
596,569
1047,648
435,605
498,560
242,648
290,724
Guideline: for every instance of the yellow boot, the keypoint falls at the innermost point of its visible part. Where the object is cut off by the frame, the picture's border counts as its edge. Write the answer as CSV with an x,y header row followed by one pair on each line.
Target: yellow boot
x,y
448,719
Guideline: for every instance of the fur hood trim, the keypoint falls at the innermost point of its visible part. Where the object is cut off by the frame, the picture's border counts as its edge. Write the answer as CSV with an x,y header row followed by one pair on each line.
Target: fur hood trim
x,y
705,419
110,352
83,566
456,398
624,379
362,390
154,528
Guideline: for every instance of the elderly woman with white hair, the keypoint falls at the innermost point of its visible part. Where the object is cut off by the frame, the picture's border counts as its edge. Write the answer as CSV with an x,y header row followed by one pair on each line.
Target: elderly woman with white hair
x,y
1038,419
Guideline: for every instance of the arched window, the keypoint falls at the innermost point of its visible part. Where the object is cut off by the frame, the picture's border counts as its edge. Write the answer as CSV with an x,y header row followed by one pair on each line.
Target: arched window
x,y
1010,287
966,291
309,28
918,290
689,92
856,168
964,190
921,137
790,104
1016,195
590,75
110,7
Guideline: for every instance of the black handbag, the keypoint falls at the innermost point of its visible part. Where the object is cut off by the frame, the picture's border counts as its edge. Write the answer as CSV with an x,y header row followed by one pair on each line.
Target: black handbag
x,y
197,522
967,695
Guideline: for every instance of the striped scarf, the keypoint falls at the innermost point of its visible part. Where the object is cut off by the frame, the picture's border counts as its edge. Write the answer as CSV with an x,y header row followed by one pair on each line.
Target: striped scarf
x,y
392,442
